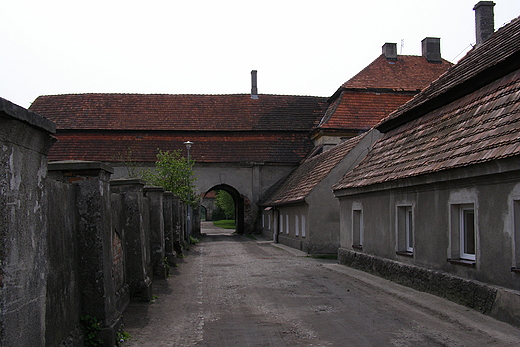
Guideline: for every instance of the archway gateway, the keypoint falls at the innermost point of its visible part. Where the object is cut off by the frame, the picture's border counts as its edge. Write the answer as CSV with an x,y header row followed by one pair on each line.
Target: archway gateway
x,y
238,199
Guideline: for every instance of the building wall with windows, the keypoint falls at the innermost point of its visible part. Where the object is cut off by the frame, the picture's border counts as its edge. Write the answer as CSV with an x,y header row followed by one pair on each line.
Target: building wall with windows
x,y
467,228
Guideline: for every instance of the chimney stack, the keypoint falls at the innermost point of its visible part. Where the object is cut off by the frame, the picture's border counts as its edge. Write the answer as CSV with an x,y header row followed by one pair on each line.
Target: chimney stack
x,y
254,87
390,50
431,49
484,20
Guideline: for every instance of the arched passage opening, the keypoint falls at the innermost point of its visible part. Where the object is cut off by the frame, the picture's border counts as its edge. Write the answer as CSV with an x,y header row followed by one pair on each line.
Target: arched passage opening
x,y
238,199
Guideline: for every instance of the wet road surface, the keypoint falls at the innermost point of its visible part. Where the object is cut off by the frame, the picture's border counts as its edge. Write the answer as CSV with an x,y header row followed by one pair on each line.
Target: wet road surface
x,y
235,291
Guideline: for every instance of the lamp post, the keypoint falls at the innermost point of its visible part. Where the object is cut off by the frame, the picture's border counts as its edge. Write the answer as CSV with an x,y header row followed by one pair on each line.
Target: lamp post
x,y
188,220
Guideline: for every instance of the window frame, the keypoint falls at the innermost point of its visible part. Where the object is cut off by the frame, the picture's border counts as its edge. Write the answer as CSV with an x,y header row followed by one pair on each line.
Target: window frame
x,y
458,225
405,229
357,228
463,233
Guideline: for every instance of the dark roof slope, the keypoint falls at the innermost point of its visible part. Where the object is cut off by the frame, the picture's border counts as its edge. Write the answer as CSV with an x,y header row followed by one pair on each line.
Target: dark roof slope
x,y
180,112
478,127
303,179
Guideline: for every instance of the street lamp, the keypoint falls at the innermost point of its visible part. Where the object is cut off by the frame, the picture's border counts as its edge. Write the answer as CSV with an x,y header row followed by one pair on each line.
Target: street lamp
x,y
188,147
188,221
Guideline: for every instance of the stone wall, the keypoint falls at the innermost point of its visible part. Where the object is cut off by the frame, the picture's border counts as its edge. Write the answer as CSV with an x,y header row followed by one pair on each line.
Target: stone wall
x,y
75,244
25,139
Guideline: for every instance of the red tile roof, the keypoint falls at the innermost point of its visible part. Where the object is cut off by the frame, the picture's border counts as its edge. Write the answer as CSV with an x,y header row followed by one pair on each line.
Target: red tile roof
x,y
207,148
406,73
377,90
480,126
361,109
303,179
225,128
180,112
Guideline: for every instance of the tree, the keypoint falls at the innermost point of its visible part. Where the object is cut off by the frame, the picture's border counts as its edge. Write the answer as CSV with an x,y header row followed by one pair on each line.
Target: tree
x,y
226,203
174,173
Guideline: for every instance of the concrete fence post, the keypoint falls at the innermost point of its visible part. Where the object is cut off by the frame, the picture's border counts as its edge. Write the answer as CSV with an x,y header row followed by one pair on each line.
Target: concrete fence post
x,y
95,257
155,195
137,243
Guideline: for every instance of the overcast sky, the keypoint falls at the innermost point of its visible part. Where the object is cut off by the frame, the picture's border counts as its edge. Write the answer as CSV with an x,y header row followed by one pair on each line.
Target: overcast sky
x,y
299,47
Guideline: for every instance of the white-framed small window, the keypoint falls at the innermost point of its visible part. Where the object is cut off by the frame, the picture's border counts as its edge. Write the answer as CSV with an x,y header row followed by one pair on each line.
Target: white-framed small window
x,y
281,223
287,229
303,226
296,225
405,230
467,232
269,221
357,228
463,234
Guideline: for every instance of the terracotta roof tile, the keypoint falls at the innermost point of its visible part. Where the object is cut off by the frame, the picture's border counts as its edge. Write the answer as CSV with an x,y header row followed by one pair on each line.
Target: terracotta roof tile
x,y
477,128
406,73
180,112
207,148
470,73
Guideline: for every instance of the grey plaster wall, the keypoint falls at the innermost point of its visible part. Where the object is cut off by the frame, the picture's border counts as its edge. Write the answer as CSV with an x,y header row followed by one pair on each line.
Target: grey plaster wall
x,y
321,207
25,139
495,198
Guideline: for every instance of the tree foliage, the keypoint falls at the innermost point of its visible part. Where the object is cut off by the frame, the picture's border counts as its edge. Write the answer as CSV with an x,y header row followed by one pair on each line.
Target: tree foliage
x,y
174,173
226,203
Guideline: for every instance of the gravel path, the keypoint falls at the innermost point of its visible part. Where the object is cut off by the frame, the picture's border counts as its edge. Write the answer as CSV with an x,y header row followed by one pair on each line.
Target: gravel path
x,y
234,291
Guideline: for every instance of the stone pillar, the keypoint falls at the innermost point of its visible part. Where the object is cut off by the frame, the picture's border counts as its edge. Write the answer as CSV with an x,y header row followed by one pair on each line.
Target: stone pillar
x,y
155,194
25,139
168,228
95,258
137,244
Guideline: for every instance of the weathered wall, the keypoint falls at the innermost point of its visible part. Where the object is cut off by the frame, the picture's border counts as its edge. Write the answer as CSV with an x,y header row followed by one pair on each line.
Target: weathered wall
x,y
63,311
25,139
494,198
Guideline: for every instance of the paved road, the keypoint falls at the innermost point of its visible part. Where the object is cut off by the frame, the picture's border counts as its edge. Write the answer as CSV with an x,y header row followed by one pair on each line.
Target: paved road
x,y
234,291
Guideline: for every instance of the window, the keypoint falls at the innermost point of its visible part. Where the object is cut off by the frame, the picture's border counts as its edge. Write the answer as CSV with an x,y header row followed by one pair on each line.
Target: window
x,y
357,229
296,226
303,226
467,232
269,221
281,223
287,224
463,234
516,228
405,230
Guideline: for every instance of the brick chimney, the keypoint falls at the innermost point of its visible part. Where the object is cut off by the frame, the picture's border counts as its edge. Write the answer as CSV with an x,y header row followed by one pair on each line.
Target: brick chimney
x,y
484,20
431,49
254,87
390,50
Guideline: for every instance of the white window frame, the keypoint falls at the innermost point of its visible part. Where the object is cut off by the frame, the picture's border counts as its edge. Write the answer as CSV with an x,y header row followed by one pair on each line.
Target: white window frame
x,y
357,228
405,229
303,226
281,223
458,222
296,225
463,232
516,231
287,226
